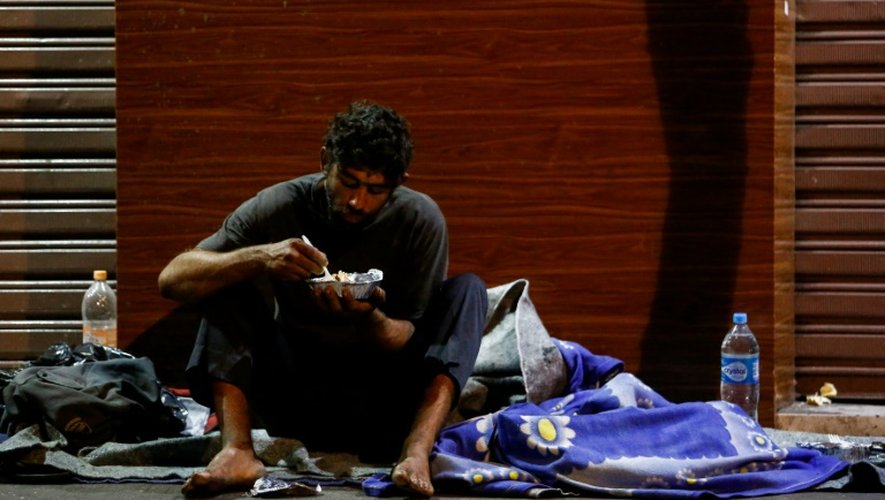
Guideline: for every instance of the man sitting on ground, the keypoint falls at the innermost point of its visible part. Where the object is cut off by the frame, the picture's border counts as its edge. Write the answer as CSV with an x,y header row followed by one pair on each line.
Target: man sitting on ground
x,y
376,377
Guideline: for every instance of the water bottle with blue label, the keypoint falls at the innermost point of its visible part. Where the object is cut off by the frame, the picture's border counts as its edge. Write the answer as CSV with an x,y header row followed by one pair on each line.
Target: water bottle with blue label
x,y
739,383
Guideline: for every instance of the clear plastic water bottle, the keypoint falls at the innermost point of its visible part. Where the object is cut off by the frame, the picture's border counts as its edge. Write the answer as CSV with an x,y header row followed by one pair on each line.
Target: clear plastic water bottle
x,y
99,310
739,383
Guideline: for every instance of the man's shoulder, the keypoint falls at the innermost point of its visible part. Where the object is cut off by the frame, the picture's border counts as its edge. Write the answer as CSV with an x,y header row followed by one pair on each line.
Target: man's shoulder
x,y
288,191
416,200
302,183
417,210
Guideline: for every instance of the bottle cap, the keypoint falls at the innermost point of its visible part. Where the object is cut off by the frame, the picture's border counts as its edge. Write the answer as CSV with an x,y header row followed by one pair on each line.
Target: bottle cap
x,y
740,318
100,275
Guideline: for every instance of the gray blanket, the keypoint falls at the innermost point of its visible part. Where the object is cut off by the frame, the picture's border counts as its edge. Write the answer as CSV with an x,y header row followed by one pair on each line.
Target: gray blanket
x,y
31,453
517,360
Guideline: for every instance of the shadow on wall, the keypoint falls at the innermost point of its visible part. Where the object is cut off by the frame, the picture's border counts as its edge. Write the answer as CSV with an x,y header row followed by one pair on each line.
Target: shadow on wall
x,y
168,343
702,61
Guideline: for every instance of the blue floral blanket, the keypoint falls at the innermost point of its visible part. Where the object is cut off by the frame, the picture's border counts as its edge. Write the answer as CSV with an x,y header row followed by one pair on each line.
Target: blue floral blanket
x,y
615,438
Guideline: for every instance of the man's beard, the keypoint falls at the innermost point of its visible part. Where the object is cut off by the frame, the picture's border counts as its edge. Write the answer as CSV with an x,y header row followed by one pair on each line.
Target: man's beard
x,y
336,216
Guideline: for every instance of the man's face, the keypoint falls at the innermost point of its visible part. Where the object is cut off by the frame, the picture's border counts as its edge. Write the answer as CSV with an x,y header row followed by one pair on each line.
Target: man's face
x,y
356,194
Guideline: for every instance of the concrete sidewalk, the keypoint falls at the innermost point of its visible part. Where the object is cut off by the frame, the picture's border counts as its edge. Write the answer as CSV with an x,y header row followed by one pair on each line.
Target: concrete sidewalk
x,y
146,491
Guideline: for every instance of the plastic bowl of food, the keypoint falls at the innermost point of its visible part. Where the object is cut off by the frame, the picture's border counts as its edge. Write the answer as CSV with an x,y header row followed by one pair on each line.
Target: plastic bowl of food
x,y
359,284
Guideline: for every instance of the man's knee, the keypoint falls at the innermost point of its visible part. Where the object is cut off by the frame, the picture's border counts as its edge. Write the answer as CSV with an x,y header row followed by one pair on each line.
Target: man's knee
x,y
467,285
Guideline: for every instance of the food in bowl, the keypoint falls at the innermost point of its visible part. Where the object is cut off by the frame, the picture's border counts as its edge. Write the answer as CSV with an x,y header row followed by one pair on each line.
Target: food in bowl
x,y
359,284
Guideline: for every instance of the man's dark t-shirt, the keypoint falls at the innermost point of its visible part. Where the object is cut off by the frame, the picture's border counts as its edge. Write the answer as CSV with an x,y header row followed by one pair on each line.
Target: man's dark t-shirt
x,y
407,240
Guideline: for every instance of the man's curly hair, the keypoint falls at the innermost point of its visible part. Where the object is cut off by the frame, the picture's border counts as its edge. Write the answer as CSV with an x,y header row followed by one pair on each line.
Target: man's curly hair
x,y
372,136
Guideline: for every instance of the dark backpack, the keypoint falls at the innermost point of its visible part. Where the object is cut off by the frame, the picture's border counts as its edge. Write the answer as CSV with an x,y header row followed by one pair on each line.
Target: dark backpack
x,y
89,403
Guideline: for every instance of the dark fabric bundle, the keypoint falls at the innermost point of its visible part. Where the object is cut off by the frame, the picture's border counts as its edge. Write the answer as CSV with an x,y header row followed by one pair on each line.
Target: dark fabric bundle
x,y
90,403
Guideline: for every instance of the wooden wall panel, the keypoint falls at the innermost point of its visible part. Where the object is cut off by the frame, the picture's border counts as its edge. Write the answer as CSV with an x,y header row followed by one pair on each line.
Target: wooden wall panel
x,y
784,347
618,155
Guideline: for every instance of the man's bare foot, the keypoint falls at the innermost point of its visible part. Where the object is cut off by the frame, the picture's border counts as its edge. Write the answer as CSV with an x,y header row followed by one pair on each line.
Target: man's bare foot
x,y
231,469
413,473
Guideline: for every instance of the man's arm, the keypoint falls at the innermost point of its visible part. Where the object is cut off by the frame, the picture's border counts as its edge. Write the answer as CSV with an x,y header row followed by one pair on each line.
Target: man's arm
x,y
198,273
387,333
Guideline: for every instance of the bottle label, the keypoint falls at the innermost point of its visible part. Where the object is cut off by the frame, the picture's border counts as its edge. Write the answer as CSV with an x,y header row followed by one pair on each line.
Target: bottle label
x,y
740,368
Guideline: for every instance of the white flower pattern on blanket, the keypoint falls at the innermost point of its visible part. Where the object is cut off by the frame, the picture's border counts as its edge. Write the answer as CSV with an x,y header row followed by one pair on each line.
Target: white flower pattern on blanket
x,y
547,434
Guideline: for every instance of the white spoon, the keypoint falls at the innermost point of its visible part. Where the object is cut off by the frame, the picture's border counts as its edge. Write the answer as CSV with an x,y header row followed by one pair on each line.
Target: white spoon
x,y
326,273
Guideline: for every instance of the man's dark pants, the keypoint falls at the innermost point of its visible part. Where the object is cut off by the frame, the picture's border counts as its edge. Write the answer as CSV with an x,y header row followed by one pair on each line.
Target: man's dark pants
x,y
356,399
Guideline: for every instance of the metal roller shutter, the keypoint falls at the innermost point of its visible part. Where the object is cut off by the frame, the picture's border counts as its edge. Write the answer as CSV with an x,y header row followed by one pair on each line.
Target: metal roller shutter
x,y
840,197
57,166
